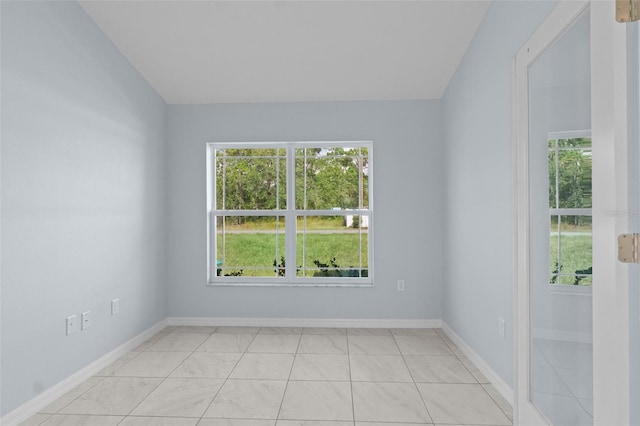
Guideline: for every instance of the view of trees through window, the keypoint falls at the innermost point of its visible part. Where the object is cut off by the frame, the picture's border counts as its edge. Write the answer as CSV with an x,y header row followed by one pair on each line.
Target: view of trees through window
x,y
569,161
325,203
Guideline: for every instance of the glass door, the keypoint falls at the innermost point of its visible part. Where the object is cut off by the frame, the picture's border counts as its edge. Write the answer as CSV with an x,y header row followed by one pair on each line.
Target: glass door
x,y
561,264
577,156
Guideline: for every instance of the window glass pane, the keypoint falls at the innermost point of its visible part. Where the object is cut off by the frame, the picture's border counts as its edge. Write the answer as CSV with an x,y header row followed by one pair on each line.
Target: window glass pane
x,y
332,246
251,179
250,246
553,189
571,250
570,173
332,178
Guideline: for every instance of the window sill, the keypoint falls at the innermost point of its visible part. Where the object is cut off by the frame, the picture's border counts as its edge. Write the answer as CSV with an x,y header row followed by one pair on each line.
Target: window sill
x,y
367,284
572,290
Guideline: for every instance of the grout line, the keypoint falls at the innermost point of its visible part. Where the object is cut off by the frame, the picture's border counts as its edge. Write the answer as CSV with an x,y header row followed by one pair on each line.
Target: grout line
x,y
424,403
286,386
224,381
353,404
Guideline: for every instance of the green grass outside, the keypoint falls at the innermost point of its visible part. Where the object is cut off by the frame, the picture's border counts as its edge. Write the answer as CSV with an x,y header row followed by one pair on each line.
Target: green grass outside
x,y
259,250
576,255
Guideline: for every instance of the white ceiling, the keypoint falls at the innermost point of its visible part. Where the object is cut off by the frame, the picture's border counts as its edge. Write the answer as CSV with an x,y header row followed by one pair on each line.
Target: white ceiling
x,y
296,50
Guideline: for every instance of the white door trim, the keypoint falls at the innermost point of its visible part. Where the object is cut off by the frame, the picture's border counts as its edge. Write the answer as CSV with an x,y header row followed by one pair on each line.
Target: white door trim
x,y
565,13
610,156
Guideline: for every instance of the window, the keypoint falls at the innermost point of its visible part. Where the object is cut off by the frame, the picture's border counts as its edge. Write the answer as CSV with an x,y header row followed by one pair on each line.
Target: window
x,y
290,213
570,208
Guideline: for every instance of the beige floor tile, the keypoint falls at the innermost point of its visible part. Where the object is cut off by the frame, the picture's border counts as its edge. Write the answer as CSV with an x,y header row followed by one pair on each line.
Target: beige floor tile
x,y
179,398
207,365
330,367
158,421
388,402
82,420
422,345
194,329
35,420
236,422
323,344
280,330
150,341
473,369
314,423
461,403
438,369
111,368
113,396
504,405
248,399
249,376
263,366
179,342
226,342
237,330
390,424
324,330
379,368
368,332
152,364
317,401
373,345
275,343
68,397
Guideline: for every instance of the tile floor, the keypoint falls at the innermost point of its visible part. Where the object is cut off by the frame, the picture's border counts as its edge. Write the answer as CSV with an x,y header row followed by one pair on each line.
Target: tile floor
x,y
245,376
563,381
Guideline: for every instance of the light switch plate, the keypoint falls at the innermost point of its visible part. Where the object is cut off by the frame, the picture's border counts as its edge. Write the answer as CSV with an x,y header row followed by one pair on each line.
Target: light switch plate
x,y
86,320
72,324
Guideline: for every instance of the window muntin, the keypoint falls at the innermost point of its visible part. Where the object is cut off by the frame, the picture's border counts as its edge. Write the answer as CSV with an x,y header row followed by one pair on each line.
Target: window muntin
x,y
290,213
570,213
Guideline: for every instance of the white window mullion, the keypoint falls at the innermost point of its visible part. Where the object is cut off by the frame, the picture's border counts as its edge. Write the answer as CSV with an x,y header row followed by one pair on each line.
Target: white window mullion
x,y
290,257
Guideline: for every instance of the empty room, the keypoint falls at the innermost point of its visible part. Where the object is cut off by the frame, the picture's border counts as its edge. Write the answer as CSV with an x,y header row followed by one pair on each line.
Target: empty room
x,y
319,213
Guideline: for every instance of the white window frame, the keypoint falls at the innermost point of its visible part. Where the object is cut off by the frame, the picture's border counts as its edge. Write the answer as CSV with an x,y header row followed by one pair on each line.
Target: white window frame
x,y
559,287
290,214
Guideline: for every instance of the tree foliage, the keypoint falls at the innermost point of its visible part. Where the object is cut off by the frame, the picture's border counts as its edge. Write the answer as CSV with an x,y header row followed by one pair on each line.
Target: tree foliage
x,y
570,174
255,179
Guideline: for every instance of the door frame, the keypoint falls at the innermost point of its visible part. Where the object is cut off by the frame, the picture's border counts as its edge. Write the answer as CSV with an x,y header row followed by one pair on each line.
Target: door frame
x,y
609,127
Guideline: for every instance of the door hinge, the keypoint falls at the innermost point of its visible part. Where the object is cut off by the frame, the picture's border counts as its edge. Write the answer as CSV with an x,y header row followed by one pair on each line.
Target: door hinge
x,y
627,10
628,248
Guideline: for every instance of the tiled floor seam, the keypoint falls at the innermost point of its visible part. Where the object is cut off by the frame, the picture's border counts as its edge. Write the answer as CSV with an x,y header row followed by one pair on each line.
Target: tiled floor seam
x,y
226,379
288,378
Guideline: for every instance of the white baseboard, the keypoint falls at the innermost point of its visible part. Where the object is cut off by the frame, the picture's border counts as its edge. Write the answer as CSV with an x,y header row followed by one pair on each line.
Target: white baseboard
x,y
31,407
306,322
501,386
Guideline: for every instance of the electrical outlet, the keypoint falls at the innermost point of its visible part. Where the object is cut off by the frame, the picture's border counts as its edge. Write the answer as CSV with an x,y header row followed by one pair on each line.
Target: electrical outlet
x,y
115,306
72,324
400,285
86,320
501,327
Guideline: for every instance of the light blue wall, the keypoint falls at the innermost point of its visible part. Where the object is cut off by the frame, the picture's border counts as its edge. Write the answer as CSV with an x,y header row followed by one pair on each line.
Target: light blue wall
x,y
407,197
478,200
83,205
